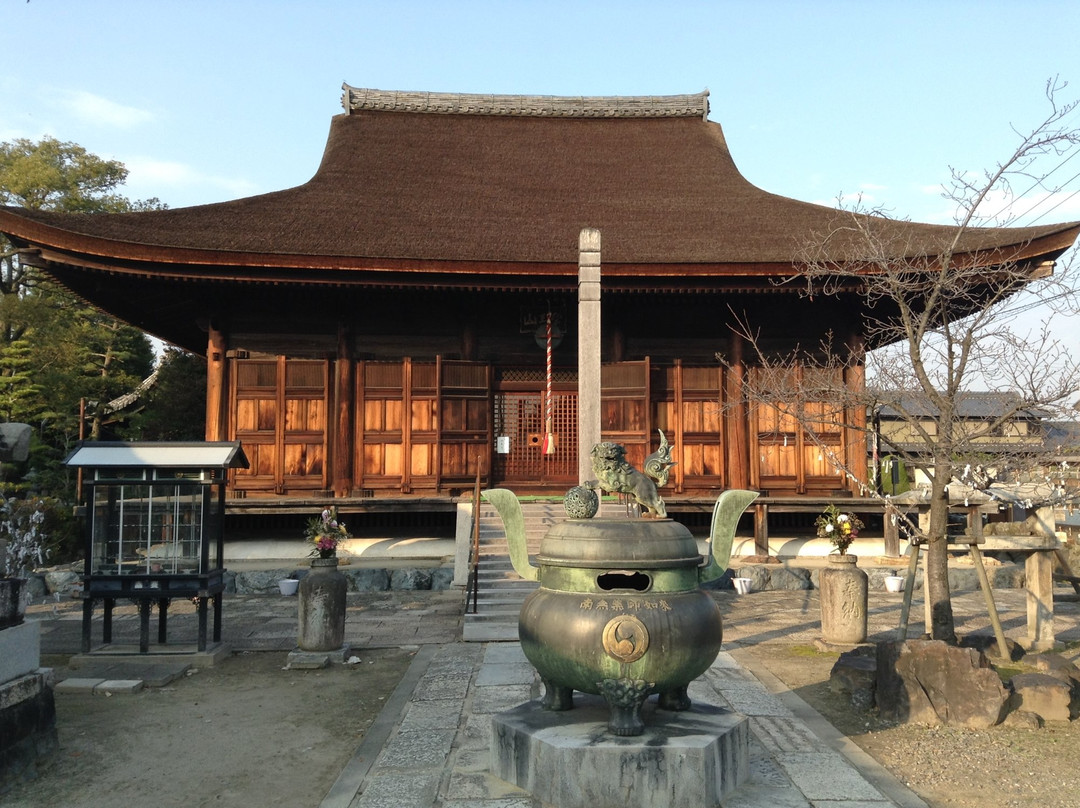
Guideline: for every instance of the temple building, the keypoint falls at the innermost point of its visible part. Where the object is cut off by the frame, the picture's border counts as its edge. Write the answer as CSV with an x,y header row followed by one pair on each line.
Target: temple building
x,y
383,330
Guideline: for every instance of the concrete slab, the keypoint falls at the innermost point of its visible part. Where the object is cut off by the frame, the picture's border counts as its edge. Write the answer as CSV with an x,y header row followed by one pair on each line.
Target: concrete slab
x,y
112,687
152,674
189,654
77,684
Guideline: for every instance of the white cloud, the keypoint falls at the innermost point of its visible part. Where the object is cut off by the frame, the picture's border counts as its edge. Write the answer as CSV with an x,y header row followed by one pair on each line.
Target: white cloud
x,y
96,109
150,177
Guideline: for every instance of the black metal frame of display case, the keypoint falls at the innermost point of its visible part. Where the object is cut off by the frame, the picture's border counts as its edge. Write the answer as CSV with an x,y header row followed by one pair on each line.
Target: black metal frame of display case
x,y
155,468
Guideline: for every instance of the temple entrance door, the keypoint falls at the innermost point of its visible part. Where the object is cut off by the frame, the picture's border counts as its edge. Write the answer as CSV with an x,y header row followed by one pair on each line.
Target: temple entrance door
x,y
520,461
799,444
280,416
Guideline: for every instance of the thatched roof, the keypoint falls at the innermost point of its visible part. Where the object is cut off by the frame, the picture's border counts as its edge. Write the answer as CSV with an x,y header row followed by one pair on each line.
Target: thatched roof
x,y
457,181
479,192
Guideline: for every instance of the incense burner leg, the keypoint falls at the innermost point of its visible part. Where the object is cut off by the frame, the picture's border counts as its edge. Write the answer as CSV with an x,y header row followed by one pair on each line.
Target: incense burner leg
x,y
557,697
675,699
625,697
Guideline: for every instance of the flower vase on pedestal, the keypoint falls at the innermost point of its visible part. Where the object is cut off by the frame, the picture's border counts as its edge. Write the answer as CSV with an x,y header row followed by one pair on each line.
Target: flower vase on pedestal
x,y
322,607
843,601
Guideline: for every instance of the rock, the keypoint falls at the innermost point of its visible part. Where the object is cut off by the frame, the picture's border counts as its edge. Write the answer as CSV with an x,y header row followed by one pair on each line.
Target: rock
x,y
988,645
1007,576
962,578
368,579
930,682
1043,694
257,582
758,575
1022,719
37,586
61,580
790,578
876,577
442,578
410,579
1058,667
855,675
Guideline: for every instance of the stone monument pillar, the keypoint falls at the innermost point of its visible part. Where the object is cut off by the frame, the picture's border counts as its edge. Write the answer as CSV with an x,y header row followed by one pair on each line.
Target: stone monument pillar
x,y
588,348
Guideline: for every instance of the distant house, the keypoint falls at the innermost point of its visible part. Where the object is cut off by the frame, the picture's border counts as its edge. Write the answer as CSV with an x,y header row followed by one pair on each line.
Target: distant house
x,y
1004,438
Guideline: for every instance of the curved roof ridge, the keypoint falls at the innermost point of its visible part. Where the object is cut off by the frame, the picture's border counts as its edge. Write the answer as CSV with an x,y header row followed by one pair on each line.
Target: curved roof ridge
x,y
355,99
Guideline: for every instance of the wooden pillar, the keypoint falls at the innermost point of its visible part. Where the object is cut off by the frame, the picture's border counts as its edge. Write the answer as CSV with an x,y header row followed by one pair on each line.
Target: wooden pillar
x,y
343,431
216,389
855,443
736,419
588,349
406,425
468,342
891,522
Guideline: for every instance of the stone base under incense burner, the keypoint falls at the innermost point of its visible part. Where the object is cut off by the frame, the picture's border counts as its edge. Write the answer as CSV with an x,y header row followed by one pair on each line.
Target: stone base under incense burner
x,y
692,759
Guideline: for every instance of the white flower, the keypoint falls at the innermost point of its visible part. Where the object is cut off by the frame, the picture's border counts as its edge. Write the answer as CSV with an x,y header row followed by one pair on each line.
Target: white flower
x,y
829,528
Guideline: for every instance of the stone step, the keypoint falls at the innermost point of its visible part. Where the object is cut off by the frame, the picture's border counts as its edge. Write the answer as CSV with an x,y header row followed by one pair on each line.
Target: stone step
x,y
501,591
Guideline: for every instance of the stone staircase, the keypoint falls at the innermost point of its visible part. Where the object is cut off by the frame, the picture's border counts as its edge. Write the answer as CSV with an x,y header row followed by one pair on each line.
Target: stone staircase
x,y
501,591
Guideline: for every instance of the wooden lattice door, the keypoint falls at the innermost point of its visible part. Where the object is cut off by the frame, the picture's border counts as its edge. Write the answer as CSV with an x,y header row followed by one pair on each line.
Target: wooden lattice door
x,y
280,417
520,427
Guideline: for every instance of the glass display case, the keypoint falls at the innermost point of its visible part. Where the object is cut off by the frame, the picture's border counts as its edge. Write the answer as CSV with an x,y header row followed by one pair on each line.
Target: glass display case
x,y
154,529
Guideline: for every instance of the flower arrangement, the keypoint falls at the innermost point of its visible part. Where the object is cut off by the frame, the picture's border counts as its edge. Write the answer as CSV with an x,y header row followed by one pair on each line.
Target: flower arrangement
x,y
325,532
23,543
838,527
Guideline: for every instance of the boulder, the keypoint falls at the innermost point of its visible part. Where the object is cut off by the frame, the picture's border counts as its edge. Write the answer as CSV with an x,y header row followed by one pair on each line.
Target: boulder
x,y
1022,719
1042,694
368,579
257,582
855,675
442,578
410,579
758,575
987,643
1058,667
931,682
791,578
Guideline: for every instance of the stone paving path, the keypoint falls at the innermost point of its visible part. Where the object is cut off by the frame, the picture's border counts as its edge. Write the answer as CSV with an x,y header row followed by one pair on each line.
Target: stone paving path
x,y
437,755
429,746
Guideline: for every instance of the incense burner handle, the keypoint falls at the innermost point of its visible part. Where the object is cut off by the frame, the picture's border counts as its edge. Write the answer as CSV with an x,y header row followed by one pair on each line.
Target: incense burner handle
x,y
509,508
729,507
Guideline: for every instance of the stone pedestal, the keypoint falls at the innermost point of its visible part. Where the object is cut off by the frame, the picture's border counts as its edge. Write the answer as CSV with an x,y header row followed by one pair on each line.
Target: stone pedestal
x,y
1039,568
691,759
27,709
843,601
322,607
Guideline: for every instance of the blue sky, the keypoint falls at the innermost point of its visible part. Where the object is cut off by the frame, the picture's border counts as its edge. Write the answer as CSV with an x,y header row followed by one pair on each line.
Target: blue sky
x,y
207,101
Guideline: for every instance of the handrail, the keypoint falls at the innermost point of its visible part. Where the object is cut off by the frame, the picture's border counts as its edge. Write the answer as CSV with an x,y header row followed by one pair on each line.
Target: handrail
x,y
473,587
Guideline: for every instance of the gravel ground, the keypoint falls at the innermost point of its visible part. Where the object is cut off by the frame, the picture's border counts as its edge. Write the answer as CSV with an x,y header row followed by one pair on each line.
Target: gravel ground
x,y
1002,767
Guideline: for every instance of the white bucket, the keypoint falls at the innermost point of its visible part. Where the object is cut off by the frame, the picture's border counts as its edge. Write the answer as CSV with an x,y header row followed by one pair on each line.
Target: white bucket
x,y
288,586
894,583
742,585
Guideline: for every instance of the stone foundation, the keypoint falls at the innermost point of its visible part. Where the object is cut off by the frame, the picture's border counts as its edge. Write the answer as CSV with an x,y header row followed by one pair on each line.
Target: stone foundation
x,y
27,709
690,759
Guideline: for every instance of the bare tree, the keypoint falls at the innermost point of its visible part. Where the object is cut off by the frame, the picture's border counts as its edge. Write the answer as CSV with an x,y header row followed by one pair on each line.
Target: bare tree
x,y
935,312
